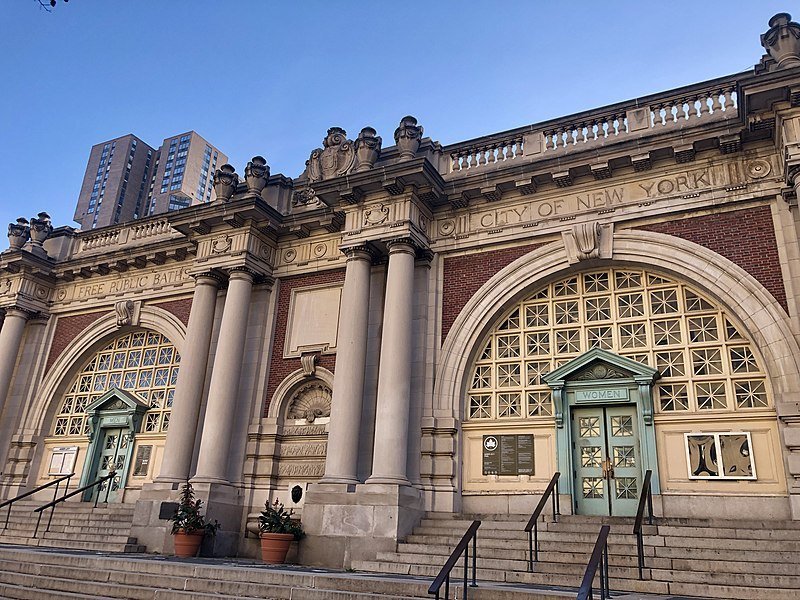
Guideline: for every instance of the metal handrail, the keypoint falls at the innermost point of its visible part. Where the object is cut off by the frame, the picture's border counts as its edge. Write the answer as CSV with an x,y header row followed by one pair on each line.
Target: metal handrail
x,y
463,546
533,523
52,505
599,558
55,482
646,497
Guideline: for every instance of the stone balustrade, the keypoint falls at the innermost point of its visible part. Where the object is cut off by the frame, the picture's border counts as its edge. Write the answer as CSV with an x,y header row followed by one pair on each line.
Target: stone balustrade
x,y
486,154
111,239
617,123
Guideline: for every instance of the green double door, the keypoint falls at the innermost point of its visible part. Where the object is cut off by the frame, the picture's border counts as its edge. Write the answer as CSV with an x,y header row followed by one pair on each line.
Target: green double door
x,y
114,447
606,460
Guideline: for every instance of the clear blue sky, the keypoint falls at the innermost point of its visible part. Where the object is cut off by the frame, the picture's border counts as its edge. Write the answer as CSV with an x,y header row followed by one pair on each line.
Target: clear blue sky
x,y
269,78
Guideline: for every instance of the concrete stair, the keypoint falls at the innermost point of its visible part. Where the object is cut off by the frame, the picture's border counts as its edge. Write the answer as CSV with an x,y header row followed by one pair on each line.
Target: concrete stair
x,y
749,560
47,574
75,525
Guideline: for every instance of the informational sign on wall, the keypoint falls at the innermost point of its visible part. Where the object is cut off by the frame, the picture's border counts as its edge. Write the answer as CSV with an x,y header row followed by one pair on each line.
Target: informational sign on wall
x,y
62,460
142,463
508,455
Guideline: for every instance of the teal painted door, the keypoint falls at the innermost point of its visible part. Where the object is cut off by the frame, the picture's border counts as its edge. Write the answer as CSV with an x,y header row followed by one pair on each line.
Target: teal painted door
x,y
606,460
114,448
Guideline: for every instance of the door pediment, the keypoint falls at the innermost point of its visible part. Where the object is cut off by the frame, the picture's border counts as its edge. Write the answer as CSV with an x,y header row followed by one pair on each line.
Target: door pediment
x,y
117,400
598,365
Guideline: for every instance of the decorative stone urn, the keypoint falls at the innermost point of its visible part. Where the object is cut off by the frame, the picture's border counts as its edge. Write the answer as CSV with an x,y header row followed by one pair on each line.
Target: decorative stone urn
x,y
368,149
782,41
256,174
18,233
225,182
407,137
40,228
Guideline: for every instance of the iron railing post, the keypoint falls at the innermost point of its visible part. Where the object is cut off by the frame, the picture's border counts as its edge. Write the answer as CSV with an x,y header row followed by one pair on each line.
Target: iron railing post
x,y
39,520
474,558
466,570
649,505
530,551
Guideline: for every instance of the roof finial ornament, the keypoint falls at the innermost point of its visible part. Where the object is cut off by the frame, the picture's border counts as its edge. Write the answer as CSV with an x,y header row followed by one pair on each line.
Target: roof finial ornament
x,y
782,41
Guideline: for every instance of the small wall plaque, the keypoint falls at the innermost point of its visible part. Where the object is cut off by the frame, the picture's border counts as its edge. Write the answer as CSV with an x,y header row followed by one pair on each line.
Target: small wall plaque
x,y
142,462
508,455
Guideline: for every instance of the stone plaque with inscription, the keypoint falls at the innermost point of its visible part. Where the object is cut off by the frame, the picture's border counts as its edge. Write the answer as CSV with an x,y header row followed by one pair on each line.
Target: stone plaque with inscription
x,y
142,462
508,455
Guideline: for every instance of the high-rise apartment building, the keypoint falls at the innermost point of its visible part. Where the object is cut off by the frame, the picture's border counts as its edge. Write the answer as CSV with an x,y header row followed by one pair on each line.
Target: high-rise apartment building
x,y
127,179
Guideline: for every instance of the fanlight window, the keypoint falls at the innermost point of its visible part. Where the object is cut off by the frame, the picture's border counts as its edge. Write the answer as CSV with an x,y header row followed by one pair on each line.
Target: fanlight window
x,y
705,363
144,363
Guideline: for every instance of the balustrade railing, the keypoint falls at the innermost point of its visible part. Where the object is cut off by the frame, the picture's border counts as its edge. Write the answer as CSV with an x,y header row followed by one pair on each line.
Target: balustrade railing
x,y
123,235
622,121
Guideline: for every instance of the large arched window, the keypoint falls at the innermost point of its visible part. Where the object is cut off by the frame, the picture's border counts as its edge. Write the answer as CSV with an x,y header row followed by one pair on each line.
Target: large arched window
x,y
705,363
144,363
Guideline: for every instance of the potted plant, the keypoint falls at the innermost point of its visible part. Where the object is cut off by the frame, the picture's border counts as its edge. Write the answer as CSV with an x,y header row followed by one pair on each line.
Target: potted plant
x,y
188,525
278,530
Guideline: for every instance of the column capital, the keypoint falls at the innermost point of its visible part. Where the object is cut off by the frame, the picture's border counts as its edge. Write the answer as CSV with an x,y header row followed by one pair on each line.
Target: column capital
x,y
360,252
18,311
402,245
242,273
208,278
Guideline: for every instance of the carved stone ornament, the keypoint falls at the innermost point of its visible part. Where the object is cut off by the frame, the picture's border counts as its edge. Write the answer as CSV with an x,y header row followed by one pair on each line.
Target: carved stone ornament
x,y
368,149
221,245
376,215
18,233
41,228
335,159
305,197
310,402
256,174
308,362
408,136
587,239
124,310
600,371
758,168
225,182
782,41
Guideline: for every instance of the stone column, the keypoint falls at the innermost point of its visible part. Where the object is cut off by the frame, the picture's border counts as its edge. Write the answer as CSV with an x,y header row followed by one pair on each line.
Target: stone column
x,y
212,463
341,462
390,456
10,339
191,381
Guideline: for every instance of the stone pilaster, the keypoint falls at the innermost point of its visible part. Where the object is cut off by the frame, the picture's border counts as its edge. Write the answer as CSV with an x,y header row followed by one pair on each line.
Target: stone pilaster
x,y
10,340
390,458
212,462
191,381
341,465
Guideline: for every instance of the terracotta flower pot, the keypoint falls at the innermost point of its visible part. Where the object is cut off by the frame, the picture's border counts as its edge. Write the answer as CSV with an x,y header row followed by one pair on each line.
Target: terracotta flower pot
x,y
187,544
275,547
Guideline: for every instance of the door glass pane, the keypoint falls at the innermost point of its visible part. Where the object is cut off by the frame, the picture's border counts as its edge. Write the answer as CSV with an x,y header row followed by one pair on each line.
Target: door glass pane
x,y
621,426
624,456
591,456
593,487
626,488
589,426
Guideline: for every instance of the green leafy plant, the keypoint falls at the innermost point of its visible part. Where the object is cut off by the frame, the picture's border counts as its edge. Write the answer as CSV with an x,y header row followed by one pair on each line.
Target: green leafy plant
x,y
188,519
276,519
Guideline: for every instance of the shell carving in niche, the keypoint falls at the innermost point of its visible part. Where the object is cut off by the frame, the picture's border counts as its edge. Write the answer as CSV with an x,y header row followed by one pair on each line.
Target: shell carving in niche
x,y
310,402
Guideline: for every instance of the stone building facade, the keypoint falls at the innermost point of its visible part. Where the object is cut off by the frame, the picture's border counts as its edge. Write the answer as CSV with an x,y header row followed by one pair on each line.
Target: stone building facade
x,y
436,328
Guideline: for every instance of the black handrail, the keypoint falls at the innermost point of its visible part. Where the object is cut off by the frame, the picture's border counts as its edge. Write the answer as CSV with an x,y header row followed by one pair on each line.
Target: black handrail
x,y
599,558
55,502
646,495
463,546
533,527
55,482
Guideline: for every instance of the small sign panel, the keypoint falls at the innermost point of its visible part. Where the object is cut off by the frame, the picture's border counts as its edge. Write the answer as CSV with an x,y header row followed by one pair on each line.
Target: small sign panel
x,y
601,395
142,462
62,460
508,455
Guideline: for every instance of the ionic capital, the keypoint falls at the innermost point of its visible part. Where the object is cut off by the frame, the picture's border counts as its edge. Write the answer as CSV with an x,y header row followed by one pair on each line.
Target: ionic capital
x,y
402,245
211,278
362,252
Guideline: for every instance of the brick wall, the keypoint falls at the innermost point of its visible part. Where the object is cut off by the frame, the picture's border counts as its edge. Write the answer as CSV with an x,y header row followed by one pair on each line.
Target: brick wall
x,y
745,237
67,329
464,275
280,367
180,308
